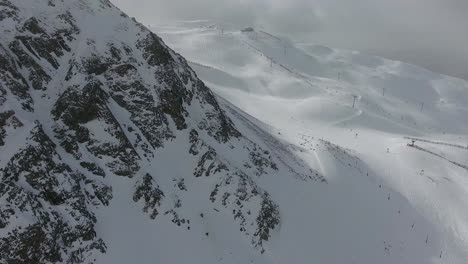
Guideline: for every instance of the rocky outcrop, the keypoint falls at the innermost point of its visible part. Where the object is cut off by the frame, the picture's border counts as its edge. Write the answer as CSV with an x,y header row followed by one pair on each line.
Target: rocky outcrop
x,y
38,185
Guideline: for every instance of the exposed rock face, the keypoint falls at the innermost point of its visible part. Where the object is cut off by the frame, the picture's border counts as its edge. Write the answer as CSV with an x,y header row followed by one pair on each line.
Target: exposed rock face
x,y
88,95
37,185
150,194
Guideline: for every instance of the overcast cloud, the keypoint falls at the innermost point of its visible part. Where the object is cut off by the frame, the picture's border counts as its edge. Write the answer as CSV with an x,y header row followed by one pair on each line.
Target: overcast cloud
x,y
430,33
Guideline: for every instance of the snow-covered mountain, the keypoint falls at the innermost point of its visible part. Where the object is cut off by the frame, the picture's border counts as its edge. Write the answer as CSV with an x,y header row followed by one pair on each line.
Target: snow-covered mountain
x,y
353,117
112,150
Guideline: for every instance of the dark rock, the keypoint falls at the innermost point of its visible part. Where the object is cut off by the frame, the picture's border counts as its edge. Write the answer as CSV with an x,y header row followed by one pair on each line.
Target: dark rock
x,y
148,191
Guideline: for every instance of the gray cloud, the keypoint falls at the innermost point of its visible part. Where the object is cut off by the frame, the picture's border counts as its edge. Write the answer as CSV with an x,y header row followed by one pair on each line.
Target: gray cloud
x,y
430,33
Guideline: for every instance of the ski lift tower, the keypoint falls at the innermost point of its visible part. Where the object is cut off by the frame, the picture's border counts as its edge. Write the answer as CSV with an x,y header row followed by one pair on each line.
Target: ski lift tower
x,y
354,99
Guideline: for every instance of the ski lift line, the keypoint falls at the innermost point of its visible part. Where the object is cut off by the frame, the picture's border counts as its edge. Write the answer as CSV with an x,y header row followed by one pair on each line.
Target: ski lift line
x,y
297,74
270,35
438,155
438,143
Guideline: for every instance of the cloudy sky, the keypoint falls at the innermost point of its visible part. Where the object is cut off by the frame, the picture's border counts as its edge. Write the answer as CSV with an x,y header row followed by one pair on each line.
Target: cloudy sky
x,y
430,33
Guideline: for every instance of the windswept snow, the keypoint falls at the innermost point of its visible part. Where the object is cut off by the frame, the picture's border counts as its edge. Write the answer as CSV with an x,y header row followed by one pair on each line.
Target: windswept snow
x,y
385,201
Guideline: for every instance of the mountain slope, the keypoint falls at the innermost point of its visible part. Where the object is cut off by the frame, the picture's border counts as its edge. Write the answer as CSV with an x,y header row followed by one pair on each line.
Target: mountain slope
x,y
323,81
371,109
99,117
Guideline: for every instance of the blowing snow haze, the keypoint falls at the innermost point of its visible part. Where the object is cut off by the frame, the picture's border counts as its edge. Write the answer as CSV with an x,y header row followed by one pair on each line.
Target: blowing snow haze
x,y
428,33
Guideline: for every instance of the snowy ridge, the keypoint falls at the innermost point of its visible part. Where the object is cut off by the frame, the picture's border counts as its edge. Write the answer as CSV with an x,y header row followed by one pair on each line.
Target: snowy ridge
x,y
261,64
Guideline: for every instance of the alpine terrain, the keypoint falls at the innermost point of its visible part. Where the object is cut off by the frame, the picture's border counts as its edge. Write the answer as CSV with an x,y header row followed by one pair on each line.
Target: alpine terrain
x,y
112,150
390,138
